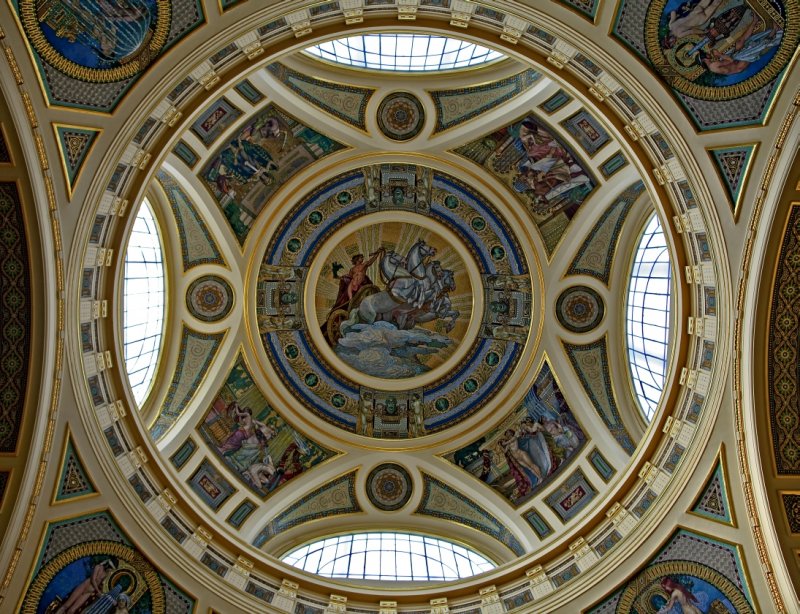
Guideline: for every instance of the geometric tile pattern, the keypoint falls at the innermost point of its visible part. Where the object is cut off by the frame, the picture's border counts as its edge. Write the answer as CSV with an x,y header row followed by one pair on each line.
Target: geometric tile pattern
x,y
782,372
74,481
5,152
196,352
592,367
455,106
347,102
585,7
713,501
596,255
15,315
86,64
74,145
197,245
791,505
334,498
733,165
441,501
708,574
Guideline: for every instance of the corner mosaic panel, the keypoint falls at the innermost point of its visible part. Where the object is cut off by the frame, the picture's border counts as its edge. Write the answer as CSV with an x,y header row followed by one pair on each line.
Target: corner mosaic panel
x,y
534,443
723,59
265,153
90,54
456,106
596,256
197,244
546,176
196,353
441,501
93,548
692,569
347,102
252,439
590,363
15,314
334,498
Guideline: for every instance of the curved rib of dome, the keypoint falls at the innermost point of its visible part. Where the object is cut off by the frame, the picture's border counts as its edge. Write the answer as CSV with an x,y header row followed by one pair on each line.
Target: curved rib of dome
x,y
143,302
388,556
404,52
648,316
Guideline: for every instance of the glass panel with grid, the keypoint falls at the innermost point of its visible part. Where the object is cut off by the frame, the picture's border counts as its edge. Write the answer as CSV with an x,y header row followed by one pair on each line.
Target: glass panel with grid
x,y
388,556
143,302
648,317
404,52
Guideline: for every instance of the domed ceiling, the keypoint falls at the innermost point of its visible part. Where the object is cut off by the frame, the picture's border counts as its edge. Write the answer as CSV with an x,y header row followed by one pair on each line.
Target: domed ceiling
x,y
440,303
435,277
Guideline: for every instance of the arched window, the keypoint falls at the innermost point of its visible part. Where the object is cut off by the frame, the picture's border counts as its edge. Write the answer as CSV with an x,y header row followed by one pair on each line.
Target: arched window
x,y
649,317
143,302
388,556
404,52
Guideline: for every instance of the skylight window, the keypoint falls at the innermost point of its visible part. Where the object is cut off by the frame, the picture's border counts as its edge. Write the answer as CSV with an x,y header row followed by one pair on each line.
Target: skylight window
x,y
648,317
143,302
404,52
388,556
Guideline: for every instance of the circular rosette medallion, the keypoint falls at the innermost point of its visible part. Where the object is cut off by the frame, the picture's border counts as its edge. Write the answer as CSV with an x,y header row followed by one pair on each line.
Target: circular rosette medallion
x,y
401,116
721,49
579,309
98,42
393,300
389,487
209,298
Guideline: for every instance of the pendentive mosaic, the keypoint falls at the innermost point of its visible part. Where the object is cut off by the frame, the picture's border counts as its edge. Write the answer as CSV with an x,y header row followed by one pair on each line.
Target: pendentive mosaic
x,y
548,178
265,153
692,573
529,447
88,564
89,54
252,439
723,59
422,281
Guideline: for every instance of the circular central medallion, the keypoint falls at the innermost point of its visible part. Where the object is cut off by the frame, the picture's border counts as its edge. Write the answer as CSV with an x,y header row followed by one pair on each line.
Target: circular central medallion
x,y
392,299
